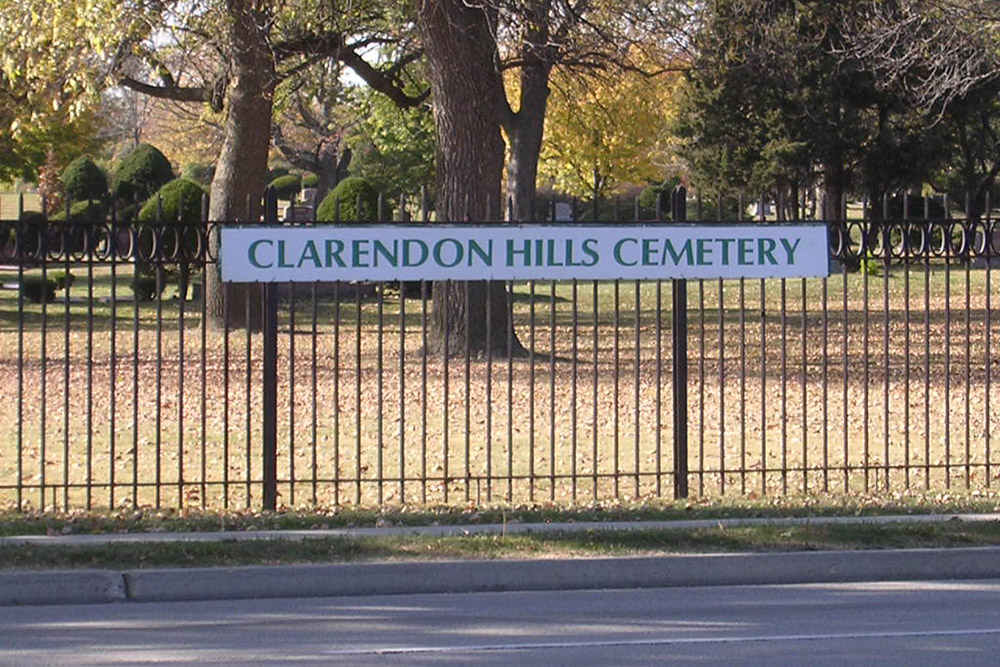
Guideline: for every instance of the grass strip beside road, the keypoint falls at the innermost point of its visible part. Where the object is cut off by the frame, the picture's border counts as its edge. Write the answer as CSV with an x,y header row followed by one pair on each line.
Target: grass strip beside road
x,y
588,544
166,520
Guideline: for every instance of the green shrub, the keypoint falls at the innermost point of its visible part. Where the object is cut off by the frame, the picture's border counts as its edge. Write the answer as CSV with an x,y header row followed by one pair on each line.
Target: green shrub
x,y
181,201
347,193
199,172
310,180
141,173
287,186
82,211
915,204
35,290
84,180
33,217
276,172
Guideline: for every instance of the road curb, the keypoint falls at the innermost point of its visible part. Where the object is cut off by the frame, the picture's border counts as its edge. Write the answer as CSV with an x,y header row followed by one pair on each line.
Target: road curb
x,y
61,587
522,575
89,586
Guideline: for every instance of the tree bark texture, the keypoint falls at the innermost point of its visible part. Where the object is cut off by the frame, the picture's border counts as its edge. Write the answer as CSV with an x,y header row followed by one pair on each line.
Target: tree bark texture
x,y
241,171
524,131
467,92
526,126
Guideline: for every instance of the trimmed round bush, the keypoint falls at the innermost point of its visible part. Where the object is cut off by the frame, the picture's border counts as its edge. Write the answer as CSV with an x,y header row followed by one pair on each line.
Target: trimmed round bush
x,y
83,180
82,211
141,173
199,172
276,172
181,201
33,217
347,193
287,186
310,180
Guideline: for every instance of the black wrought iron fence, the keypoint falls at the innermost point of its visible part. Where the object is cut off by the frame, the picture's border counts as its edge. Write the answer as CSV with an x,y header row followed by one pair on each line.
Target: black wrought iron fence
x,y
119,390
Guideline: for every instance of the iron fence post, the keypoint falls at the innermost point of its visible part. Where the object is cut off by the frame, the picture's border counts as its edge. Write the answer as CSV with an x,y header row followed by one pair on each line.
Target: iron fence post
x,y
680,371
270,378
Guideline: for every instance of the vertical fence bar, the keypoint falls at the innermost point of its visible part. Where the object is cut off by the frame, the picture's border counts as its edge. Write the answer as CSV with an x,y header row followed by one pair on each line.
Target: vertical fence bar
x,y
269,384
574,362
658,443
784,386
743,385
865,357
907,254
489,394
531,390
292,288
357,393
701,382
468,393
67,251
826,387
722,382
927,357
803,386
336,394
203,327
91,243
991,231
596,344
844,360
445,440
679,339
269,398
180,388
946,231
157,261
402,390
886,334
379,390
967,258
616,382
43,246
552,393
314,378
509,305
763,387
638,360
226,306
21,238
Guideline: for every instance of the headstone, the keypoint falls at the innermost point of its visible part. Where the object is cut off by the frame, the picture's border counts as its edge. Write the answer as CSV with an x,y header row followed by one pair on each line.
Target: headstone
x,y
563,212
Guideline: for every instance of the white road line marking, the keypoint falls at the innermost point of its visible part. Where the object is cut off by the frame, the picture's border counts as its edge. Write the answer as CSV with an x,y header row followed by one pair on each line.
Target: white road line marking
x,y
666,641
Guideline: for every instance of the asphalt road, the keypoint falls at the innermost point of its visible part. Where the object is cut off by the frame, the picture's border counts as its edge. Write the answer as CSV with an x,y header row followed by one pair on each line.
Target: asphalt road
x,y
901,623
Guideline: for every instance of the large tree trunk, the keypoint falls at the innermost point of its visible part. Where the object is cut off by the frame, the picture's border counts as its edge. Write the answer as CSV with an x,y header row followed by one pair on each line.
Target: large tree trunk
x,y
525,128
834,189
465,82
241,172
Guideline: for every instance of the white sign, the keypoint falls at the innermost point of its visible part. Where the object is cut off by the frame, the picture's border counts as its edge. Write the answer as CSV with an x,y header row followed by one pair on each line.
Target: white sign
x,y
508,252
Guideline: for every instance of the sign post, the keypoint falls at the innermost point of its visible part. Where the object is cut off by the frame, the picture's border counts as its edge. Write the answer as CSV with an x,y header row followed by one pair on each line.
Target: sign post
x,y
679,331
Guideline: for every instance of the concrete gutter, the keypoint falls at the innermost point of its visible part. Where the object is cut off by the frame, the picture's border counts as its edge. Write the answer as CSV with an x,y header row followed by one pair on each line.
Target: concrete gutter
x,y
397,578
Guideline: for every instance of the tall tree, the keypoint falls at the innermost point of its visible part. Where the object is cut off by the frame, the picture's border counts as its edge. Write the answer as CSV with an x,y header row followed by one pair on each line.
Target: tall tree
x,y
604,131
312,128
459,41
231,54
772,104
540,37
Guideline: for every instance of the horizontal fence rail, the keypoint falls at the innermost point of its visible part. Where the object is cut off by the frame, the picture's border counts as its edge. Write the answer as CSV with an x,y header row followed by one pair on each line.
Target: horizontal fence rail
x,y
118,391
